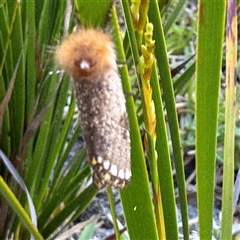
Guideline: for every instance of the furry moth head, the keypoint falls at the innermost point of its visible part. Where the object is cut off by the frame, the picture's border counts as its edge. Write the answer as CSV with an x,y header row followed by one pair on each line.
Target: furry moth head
x,y
87,54
90,59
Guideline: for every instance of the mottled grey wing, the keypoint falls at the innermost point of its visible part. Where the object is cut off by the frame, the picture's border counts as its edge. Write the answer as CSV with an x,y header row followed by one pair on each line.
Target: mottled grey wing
x,y
106,131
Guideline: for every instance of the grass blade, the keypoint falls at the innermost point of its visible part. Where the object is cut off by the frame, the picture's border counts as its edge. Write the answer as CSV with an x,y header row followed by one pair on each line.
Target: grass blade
x,y
208,65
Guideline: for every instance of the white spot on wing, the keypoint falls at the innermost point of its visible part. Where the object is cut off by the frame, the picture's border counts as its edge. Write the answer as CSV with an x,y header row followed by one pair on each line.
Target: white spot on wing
x,y
99,159
113,170
128,174
106,165
121,174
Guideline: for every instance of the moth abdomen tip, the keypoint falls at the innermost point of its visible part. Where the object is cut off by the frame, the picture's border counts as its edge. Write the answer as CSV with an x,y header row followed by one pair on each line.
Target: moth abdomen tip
x,y
109,174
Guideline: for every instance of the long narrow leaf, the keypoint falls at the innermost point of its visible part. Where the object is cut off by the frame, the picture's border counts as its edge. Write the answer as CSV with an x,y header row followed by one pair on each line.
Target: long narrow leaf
x,y
7,97
20,181
136,198
230,118
16,206
85,197
168,96
208,65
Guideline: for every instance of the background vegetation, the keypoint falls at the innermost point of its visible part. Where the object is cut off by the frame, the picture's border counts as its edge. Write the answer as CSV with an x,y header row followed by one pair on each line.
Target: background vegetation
x,y
174,113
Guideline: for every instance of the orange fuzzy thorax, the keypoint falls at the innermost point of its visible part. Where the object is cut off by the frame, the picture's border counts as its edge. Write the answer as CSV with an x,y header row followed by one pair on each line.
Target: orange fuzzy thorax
x,y
86,54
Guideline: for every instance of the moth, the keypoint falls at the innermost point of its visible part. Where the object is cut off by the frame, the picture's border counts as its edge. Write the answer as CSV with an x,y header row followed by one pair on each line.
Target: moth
x,y
89,57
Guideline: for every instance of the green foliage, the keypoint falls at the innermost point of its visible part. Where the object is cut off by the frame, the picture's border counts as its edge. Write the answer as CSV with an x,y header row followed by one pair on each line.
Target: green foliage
x,y
39,125
99,8
207,95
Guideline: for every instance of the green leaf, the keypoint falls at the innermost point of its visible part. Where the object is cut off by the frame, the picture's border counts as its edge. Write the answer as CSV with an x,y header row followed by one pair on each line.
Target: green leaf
x,y
208,65
230,120
168,97
78,203
88,232
17,103
16,206
93,13
136,198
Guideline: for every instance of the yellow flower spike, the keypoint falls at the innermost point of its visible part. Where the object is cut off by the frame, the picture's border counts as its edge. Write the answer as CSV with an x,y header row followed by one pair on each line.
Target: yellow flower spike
x,y
145,64
152,120
150,44
139,11
146,61
149,32
141,65
144,50
135,13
